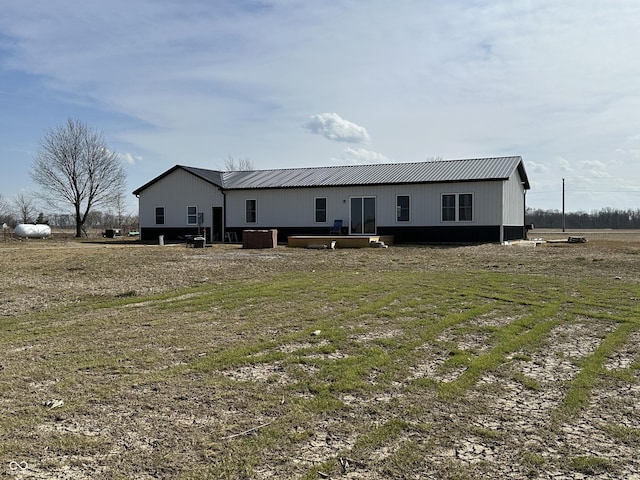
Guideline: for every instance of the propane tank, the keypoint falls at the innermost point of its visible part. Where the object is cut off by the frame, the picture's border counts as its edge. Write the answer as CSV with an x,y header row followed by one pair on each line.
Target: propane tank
x,y
27,230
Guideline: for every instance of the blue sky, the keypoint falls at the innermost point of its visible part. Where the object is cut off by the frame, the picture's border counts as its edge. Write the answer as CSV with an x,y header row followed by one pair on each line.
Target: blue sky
x,y
300,83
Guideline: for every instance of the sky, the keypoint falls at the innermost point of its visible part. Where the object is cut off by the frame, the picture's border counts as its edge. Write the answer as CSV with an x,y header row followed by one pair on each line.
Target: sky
x,y
298,83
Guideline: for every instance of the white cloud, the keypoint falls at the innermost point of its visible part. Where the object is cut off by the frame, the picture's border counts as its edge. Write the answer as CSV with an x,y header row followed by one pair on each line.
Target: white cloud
x,y
537,167
361,156
333,127
564,165
551,81
129,158
594,168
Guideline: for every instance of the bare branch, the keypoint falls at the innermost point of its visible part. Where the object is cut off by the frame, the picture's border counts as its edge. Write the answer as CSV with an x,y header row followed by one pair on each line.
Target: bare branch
x,y
25,207
74,167
249,430
242,164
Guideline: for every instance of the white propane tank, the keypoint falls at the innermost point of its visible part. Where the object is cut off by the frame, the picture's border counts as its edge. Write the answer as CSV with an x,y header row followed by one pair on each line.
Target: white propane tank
x,y
27,230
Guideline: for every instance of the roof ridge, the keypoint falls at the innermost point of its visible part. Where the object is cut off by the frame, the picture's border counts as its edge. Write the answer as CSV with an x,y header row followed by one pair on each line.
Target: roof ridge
x,y
372,164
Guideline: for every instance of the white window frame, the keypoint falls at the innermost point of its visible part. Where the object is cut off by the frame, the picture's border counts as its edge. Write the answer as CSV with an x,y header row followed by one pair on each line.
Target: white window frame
x,y
164,215
255,210
315,210
194,215
398,209
457,207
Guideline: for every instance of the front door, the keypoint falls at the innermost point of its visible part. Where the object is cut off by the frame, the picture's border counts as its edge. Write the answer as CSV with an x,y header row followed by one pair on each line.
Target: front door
x,y
363,216
216,227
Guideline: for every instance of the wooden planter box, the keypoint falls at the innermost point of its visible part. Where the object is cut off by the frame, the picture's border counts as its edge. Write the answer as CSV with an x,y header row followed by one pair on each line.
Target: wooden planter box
x,y
259,238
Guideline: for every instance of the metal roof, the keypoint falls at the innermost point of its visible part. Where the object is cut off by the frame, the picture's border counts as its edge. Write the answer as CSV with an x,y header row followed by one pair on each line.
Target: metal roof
x,y
477,169
211,176
466,170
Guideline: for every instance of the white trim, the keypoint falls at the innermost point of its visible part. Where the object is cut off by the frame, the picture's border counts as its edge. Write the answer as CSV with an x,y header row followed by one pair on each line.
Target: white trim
x,y
363,197
403,222
473,212
246,221
455,207
315,210
456,196
155,215
192,214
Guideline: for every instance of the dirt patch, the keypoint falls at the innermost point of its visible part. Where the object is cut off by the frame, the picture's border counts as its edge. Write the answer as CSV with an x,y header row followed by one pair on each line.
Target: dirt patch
x,y
43,274
174,361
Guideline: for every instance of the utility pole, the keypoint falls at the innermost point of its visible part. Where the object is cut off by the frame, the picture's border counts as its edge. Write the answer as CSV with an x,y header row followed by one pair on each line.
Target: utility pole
x,y
563,204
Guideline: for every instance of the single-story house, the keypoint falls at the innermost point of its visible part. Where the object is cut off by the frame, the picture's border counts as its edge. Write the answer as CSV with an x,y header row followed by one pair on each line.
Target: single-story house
x,y
470,200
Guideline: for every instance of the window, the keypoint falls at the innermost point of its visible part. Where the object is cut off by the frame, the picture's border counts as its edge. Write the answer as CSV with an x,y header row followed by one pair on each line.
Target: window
x,y
321,210
192,215
250,215
159,215
448,208
465,207
457,207
402,208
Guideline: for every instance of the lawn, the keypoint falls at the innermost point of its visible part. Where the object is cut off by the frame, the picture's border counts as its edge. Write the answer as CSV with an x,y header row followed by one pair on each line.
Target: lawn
x,y
122,360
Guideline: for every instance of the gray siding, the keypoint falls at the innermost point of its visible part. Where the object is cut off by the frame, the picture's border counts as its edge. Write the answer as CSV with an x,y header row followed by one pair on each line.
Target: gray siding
x,y
175,192
285,199
294,207
513,201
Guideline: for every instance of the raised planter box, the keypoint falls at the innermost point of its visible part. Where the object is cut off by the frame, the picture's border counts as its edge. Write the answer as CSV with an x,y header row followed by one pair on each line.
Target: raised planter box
x,y
259,238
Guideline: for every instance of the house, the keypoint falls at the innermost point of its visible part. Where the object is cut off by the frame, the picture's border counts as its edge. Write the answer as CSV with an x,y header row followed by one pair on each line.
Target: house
x,y
471,200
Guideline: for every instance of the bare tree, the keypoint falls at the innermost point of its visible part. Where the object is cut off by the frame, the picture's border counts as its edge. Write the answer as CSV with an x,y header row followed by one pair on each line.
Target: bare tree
x,y
242,164
119,206
4,208
6,215
24,207
75,167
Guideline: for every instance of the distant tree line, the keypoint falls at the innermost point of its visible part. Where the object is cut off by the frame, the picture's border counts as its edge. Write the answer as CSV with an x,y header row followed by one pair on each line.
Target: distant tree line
x,y
604,218
96,220
24,209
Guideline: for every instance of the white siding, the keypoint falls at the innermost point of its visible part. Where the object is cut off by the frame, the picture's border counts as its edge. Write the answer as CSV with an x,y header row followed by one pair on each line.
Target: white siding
x,y
513,201
295,207
175,192
494,203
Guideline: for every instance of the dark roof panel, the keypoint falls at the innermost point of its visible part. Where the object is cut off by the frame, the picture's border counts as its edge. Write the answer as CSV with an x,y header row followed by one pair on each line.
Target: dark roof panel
x,y
211,176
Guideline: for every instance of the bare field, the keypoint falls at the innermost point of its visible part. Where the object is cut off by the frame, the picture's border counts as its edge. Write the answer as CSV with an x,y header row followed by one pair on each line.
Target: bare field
x,y
124,360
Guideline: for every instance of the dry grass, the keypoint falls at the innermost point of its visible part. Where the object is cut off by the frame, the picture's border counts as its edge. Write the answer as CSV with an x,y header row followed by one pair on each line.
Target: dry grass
x,y
482,361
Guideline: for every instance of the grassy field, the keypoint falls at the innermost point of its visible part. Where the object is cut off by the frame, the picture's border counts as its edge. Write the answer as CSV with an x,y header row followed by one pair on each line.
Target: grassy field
x,y
128,361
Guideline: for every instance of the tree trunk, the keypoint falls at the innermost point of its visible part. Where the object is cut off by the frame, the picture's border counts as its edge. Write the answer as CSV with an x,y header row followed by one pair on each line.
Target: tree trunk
x,y
78,223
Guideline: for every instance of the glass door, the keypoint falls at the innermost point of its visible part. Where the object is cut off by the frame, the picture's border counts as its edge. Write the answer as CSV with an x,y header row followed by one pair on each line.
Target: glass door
x,y
363,216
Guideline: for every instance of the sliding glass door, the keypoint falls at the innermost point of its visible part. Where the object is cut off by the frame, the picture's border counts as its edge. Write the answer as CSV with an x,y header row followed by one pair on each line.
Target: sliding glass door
x,y
363,216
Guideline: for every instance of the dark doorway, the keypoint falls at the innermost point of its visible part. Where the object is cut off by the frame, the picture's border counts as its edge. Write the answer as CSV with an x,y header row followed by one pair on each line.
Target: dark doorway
x,y
217,225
